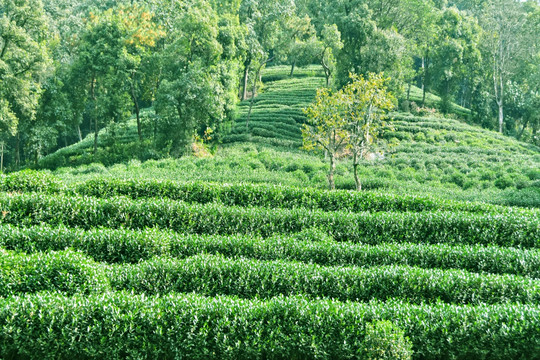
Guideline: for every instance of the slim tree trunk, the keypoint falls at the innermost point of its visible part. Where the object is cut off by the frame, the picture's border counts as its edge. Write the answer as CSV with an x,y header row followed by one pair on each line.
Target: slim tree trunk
x,y
93,93
355,168
292,69
18,150
331,182
2,159
137,111
245,82
257,75
79,132
409,92
501,117
523,129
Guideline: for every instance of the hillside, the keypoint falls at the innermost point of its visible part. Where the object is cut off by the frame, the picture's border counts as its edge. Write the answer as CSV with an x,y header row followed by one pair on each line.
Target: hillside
x,y
433,155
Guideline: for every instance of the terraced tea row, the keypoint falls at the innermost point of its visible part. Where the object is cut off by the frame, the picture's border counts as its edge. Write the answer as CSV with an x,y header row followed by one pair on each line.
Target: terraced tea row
x,y
121,325
275,196
371,228
213,275
310,246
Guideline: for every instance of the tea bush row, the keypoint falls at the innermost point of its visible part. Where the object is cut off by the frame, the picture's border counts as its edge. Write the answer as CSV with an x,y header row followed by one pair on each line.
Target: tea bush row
x,y
124,325
371,228
279,196
247,278
67,271
309,246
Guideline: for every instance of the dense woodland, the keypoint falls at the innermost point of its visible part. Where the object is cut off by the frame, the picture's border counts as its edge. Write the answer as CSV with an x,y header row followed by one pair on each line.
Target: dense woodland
x,y
69,68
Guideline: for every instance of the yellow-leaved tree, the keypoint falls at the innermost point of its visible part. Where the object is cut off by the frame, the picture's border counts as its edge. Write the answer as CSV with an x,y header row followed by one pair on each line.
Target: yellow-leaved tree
x,y
352,118
326,128
367,102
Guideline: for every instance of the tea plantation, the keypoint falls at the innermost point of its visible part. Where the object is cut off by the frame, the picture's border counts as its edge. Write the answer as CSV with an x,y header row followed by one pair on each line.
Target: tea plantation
x,y
244,255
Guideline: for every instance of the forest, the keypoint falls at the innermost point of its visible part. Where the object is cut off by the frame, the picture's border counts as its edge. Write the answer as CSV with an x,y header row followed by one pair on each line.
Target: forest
x,y
70,68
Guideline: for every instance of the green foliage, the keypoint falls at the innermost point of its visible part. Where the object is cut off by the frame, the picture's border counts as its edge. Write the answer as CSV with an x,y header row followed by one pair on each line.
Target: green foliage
x,y
508,229
29,181
67,272
386,341
309,246
120,325
275,196
215,275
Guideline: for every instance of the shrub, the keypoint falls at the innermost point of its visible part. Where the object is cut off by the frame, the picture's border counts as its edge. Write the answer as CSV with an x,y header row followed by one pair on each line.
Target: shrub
x,y
64,271
123,325
384,340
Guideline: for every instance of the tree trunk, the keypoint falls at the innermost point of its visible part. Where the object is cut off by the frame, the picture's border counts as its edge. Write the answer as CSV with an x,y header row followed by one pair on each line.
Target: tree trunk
x,y
355,168
257,75
409,92
79,132
137,112
501,117
93,92
292,69
245,82
523,129
18,150
331,183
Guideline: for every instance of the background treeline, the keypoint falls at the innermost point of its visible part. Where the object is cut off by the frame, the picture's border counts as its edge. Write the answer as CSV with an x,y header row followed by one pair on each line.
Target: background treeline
x,y
70,68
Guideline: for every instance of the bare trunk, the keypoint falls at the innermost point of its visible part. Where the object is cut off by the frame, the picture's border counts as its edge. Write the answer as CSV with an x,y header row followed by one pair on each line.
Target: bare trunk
x,y
79,132
355,168
254,90
409,92
331,183
423,80
18,150
245,82
523,129
292,69
137,112
2,159
93,92
501,117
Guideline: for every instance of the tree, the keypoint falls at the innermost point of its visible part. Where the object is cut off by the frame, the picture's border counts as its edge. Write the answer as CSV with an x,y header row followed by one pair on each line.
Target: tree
x,y
330,44
98,67
455,54
191,89
503,21
366,104
326,128
139,37
23,55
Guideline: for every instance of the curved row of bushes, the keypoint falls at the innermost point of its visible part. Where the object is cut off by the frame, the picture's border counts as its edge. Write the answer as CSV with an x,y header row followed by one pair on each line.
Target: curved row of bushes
x,y
124,325
247,278
212,275
372,228
281,196
310,246
67,272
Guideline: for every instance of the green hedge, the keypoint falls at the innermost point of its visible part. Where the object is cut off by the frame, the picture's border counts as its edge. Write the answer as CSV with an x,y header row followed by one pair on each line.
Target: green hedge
x,y
123,325
424,227
68,272
30,180
280,196
216,275
310,246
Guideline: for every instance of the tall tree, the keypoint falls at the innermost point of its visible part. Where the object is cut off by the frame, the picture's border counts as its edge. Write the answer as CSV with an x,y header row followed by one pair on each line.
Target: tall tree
x,y
189,96
23,55
503,21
